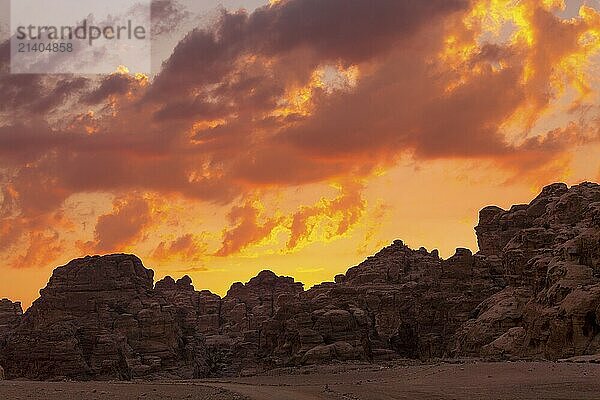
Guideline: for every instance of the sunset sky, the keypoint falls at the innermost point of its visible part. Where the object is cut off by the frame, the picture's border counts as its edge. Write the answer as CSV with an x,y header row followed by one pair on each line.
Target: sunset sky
x,y
298,135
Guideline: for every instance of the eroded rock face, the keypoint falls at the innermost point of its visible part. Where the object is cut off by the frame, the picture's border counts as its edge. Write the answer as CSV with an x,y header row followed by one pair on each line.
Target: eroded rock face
x,y
400,302
246,314
99,317
10,315
550,255
532,291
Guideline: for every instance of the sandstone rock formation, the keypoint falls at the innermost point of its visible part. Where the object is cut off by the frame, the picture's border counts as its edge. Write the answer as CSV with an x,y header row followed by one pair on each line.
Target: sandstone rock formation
x,y
10,315
549,251
100,317
400,302
533,291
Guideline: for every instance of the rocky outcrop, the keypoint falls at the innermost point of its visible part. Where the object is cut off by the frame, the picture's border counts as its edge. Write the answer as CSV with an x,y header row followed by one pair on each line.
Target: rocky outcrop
x,y
99,317
549,250
247,313
532,291
10,315
398,303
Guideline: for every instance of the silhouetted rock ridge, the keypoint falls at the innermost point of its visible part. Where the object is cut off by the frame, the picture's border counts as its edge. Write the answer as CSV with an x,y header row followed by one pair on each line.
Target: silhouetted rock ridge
x,y
532,291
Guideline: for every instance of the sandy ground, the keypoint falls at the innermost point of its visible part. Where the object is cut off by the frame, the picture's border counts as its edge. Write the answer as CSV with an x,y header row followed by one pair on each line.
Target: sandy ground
x,y
518,380
22,390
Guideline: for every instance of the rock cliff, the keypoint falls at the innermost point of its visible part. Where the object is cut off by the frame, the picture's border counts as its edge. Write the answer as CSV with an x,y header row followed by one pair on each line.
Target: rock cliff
x,y
10,315
99,317
549,251
532,291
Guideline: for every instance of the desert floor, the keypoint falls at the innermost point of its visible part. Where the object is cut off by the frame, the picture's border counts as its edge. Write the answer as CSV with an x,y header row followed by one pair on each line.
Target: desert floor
x,y
473,380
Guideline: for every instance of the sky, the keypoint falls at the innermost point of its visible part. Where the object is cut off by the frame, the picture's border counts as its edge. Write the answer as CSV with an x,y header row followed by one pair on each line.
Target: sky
x,y
299,136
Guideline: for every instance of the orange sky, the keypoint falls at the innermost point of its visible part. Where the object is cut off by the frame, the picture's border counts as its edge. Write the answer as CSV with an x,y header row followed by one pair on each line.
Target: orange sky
x,y
272,140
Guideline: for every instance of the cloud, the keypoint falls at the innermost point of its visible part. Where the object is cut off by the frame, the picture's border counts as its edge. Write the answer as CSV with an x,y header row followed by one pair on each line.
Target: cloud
x,y
123,225
325,220
196,269
167,16
253,104
32,242
328,218
246,229
353,31
112,85
187,247
39,251
373,226
218,129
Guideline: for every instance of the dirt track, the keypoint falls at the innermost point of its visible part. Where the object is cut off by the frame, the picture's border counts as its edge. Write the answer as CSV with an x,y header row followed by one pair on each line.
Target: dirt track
x,y
350,382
